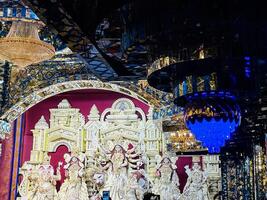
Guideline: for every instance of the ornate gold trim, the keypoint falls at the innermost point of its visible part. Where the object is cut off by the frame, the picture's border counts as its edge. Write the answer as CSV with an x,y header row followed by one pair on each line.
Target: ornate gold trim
x,y
15,111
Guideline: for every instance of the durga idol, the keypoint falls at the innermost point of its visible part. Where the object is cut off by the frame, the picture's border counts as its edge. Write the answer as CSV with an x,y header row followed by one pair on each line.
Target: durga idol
x,y
118,162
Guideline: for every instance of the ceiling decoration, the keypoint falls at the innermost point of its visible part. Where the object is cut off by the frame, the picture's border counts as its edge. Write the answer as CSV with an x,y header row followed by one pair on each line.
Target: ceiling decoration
x,y
209,67
68,30
22,45
209,96
62,68
212,119
69,67
87,64
113,42
4,86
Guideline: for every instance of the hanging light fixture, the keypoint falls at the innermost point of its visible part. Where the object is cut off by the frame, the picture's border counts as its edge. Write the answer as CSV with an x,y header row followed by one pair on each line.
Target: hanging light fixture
x,y
183,140
22,45
212,117
209,88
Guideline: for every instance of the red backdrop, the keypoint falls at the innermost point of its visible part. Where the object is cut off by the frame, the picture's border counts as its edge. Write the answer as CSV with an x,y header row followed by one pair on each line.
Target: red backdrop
x,y
58,157
5,165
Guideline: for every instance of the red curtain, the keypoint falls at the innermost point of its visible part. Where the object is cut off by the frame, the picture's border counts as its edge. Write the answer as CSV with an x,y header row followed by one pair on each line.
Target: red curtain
x,y
58,156
181,163
5,166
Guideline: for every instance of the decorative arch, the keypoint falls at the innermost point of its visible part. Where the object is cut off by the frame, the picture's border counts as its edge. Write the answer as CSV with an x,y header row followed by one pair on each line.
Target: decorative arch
x,y
19,108
129,105
104,114
59,144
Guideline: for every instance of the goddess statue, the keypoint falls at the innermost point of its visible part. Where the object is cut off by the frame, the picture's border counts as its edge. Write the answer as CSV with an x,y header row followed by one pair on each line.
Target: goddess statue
x,y
43,181
167,181
118,162
74,186
196,186
116,169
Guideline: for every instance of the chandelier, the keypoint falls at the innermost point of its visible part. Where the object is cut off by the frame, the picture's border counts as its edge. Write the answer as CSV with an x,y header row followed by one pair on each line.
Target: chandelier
x,y
183,140
22,45
208,89
212,117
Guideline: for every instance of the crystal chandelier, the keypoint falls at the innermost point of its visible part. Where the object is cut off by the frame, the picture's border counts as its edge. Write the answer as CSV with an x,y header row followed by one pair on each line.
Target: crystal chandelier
x,y
183,140
22,45
212,117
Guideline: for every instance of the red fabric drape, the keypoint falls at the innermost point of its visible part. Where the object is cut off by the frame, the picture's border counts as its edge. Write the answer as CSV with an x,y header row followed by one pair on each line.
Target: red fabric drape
x,y
181,163
57,157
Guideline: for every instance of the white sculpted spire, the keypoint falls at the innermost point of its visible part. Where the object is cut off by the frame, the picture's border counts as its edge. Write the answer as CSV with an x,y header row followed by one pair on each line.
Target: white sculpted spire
x,y
41,124
94,114
64,104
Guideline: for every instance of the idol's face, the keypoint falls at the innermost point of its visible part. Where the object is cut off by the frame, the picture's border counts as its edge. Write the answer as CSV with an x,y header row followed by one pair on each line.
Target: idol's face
x,y
45,174
196,166
135,175
118,148
166,161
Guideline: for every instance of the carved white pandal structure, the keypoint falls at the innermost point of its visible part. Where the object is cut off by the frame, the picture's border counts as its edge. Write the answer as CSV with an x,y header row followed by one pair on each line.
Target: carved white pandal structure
x,y
211,164
123,124
66,128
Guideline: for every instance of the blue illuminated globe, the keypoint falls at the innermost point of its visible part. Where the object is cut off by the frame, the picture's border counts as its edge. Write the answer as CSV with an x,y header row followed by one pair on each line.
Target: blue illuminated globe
x,y
212,118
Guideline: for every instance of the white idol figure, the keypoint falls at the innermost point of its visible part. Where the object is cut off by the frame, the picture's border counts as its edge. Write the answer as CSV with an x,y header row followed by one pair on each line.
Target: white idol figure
x,y
74,186
167,182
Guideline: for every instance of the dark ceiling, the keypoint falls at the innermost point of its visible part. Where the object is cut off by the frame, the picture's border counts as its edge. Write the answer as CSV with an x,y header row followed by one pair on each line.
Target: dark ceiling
x,y
138,31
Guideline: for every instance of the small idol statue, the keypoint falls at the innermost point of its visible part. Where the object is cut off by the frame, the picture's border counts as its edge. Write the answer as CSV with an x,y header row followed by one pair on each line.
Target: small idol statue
x,y
74,186
196,186
167,182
